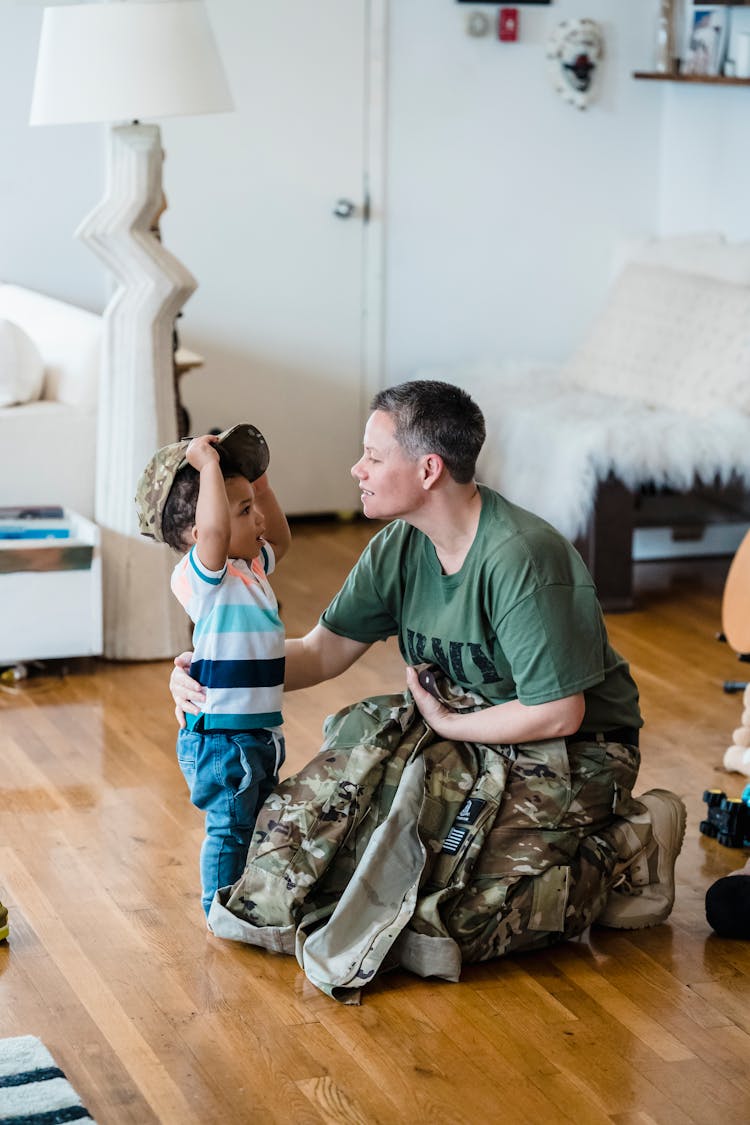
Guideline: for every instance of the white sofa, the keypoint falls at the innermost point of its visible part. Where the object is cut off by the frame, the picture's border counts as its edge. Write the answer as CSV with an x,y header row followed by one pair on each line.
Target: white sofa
x,y
48,446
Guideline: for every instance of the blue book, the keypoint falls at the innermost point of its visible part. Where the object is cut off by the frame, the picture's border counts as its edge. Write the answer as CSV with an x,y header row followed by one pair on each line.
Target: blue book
x,y
28,531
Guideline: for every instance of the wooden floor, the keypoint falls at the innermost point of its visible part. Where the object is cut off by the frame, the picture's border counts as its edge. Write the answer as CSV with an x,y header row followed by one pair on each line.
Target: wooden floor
x,y
155,1020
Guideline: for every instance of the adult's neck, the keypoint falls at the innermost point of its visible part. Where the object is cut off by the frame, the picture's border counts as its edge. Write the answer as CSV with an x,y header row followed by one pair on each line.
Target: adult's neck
x,y
450,519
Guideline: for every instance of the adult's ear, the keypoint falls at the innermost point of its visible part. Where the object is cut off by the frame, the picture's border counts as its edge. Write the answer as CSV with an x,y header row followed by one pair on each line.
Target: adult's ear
x,y
433,468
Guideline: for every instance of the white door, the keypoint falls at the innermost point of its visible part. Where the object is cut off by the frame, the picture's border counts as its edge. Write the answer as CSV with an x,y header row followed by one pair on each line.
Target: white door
x,y
279,310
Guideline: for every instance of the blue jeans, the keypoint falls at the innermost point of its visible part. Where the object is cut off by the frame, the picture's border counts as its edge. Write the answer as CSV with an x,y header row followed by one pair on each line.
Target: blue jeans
x,y
229,775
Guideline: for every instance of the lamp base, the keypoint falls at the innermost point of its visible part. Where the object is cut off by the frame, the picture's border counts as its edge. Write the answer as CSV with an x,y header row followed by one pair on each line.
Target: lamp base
x,y
145,621
137,407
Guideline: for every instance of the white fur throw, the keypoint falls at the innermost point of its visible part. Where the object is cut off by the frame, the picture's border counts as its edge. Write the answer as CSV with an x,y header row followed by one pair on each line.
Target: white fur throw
x,y
549,444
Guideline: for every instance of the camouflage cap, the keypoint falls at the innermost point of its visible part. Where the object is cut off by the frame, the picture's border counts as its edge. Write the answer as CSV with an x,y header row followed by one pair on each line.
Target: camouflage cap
x,y
243,444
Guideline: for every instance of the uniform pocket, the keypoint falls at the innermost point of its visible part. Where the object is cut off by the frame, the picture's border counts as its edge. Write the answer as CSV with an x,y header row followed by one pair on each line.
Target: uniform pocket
x,y
550,900
602,777
538,790
464,841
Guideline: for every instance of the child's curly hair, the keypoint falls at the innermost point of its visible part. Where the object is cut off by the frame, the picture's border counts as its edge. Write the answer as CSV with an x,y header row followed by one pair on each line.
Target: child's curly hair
x,y
178,516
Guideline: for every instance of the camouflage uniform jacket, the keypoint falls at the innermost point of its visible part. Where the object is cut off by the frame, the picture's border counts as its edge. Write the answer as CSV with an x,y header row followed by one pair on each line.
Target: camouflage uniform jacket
x,y
394,846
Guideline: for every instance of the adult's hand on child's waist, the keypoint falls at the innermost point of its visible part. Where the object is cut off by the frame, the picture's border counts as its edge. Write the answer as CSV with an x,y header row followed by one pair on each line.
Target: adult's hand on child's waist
x,y
187,693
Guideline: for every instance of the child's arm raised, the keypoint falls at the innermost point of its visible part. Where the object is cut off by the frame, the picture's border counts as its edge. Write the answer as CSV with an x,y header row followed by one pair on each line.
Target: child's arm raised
x,y
277,529
212,530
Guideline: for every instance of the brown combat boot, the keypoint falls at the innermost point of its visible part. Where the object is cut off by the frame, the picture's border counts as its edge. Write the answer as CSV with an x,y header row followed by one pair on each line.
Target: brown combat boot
x,y
643,893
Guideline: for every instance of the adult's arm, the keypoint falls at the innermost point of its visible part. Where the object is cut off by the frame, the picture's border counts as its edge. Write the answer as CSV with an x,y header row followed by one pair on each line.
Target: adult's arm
x,y
504,722
319,655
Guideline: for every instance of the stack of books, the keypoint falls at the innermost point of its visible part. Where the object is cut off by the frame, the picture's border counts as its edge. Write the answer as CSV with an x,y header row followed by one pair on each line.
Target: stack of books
x,y
34,522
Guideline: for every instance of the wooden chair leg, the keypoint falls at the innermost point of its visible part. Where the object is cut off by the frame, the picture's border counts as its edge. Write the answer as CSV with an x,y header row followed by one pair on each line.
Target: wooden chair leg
x,y
607,545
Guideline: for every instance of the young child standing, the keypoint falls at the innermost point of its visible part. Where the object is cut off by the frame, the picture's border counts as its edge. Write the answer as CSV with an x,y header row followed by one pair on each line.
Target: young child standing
x,y
210,498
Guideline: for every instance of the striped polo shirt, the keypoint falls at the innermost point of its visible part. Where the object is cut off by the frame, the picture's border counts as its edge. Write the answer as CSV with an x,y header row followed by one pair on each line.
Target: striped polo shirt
x,y
238,640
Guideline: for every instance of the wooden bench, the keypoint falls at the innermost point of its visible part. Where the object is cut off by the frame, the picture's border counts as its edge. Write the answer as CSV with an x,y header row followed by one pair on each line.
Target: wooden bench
x,y
606,545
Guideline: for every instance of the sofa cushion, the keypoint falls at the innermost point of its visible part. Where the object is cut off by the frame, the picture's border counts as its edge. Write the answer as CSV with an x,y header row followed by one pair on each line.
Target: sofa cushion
x,y
21,366
671,339
68,338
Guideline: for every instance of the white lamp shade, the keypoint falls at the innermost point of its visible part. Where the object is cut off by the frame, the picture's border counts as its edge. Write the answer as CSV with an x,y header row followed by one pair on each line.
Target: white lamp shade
x,y
127,60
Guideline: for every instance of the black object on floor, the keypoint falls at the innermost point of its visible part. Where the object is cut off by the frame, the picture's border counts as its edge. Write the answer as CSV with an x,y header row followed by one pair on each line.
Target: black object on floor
x,y
728,819
728,906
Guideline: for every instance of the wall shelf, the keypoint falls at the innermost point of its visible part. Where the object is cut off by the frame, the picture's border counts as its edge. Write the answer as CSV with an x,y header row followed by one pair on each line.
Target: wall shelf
x,y
695,79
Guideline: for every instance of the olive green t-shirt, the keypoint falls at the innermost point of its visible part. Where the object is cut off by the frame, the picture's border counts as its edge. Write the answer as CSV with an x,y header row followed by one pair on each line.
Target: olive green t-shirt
x,y
520,619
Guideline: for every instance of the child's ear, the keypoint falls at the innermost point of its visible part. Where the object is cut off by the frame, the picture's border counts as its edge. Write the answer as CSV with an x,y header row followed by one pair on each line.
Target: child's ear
x,y
194,533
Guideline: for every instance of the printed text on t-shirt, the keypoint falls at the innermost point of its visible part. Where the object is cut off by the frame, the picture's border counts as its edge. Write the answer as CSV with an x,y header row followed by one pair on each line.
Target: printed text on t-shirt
x,y
453,662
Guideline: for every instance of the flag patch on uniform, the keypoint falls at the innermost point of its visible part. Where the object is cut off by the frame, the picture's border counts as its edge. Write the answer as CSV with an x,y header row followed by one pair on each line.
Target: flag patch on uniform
x,y
467,815
454,839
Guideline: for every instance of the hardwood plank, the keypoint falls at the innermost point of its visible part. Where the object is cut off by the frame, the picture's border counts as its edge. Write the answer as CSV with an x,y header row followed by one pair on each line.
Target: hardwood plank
x,y
533,1088
334,1105
364,1097
412,1061
621,1008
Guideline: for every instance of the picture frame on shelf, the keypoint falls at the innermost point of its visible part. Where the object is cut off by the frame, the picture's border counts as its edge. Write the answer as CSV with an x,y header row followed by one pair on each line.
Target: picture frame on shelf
x,y
707,35
737,60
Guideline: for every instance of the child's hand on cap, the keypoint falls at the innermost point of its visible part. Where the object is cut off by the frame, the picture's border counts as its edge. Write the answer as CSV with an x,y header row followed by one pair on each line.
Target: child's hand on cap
x,y
202,451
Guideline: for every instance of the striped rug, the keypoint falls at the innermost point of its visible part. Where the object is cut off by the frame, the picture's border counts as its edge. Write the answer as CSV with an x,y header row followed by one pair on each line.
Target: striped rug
x,y
33,1090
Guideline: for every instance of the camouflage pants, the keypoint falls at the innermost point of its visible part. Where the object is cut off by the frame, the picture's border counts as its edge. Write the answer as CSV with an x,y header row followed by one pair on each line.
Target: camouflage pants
x,y
497,849
542,869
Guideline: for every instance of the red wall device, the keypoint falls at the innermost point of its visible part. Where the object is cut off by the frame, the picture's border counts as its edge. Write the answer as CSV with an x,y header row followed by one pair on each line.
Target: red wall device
x,y
508,25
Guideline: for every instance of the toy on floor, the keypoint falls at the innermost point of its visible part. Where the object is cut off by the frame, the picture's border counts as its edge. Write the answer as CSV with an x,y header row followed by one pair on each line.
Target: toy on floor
x,y
737,757
728,818
728,904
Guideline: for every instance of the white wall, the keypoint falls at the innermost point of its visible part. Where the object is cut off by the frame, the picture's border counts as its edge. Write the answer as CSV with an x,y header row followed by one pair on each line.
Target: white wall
x,y
505,202
49,178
